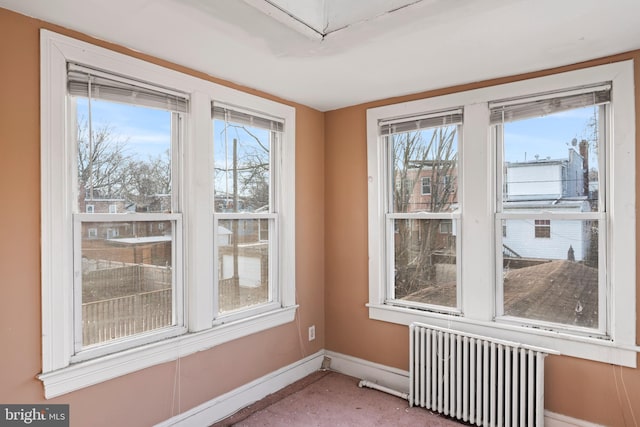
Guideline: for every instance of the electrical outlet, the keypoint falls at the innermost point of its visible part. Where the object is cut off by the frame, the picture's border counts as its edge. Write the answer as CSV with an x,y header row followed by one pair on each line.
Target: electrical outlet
x,y
312,332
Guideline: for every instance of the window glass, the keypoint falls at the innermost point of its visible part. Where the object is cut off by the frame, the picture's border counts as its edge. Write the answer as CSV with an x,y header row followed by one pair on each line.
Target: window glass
x,y
425,262
243,211
424,170
123,158
242,162
551,168
243,264
423,166
127,280
553,157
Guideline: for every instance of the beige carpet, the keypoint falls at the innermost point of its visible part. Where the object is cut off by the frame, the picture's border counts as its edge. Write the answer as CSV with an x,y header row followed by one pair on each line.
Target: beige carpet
x,y
328,398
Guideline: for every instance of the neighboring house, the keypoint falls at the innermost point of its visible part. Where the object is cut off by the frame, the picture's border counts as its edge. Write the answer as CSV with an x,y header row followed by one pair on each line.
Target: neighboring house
x,y
433,187
548,185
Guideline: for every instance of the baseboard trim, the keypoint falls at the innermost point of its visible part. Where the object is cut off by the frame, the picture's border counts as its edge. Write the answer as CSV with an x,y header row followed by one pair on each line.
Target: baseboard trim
x,y
387,376
398,379
551,419
227,404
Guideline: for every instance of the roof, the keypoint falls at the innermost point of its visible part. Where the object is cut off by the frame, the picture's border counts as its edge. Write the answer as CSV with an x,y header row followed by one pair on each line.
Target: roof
x,y
140,240
545,203
557,291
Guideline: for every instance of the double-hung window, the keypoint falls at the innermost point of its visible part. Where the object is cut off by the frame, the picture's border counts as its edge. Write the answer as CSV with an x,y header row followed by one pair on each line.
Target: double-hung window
x,y
551,152
422,267
127,282
527,231
168,214
246,148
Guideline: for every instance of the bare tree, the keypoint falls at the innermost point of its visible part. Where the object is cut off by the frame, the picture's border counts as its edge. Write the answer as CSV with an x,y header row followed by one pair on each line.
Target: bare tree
x,y
148,184
107,171
102,161
251,170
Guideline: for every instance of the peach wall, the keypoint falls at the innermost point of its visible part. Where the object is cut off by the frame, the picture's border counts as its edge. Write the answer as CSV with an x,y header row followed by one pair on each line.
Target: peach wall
x,y
586,390
154,394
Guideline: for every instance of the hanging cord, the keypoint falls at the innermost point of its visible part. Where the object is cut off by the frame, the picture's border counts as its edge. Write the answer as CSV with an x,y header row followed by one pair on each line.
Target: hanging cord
x,y
90,177
177,385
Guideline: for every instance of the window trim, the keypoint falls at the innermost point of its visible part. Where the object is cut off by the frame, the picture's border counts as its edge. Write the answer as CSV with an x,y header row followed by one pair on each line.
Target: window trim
x,y
426,179
542,229
59,372
477,158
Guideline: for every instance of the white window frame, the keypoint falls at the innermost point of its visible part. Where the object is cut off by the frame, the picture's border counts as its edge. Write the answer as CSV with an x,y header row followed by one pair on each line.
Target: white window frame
x,y
539,227
60,372
477,181
422,185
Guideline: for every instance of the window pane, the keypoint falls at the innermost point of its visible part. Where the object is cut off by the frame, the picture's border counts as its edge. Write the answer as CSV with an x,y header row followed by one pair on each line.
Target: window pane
x,y
243,263
551,162
553,279
425,261
127,276
124,157
424,170
242,162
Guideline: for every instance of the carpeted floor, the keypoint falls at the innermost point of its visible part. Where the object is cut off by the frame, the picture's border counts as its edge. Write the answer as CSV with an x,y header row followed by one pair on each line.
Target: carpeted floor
x,y
327,398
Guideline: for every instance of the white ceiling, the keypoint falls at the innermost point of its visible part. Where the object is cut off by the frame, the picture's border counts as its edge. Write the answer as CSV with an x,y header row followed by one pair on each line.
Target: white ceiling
x,y
366,50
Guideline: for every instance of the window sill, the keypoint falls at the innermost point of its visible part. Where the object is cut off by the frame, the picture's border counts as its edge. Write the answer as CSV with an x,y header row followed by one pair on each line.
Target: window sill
x,y
596,349
91,372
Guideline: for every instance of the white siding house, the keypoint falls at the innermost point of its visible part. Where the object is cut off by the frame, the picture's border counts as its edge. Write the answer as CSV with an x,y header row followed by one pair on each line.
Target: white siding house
x,y
546,185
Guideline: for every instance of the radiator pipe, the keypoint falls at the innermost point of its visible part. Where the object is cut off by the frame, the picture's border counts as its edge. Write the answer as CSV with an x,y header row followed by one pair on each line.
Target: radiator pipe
x,y
365,383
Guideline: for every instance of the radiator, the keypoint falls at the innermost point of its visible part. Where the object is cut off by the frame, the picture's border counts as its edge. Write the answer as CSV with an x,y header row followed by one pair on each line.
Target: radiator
x,y
476,379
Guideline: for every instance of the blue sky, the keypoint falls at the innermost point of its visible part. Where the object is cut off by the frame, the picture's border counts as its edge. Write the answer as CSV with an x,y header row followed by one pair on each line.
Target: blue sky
x,y
548,136
148,131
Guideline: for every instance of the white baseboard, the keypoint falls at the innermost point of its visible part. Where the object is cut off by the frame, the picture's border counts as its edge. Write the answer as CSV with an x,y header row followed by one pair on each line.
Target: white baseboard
x,y
223,406
387,376
551,419
398,379
229,403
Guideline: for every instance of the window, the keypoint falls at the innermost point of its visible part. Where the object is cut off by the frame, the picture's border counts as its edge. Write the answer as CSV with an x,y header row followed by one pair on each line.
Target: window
x,y
566,265
426,185
416,147
540,159
446,227
112,163
246,148
187,257
542,229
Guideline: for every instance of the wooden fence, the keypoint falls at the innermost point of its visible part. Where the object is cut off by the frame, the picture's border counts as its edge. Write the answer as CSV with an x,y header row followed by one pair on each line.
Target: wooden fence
x,y
124,316
119,301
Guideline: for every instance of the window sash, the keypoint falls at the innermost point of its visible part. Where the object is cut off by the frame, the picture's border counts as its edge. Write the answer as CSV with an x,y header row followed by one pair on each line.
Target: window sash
x,y
390,297
531,106
82,352
94,84
274,299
